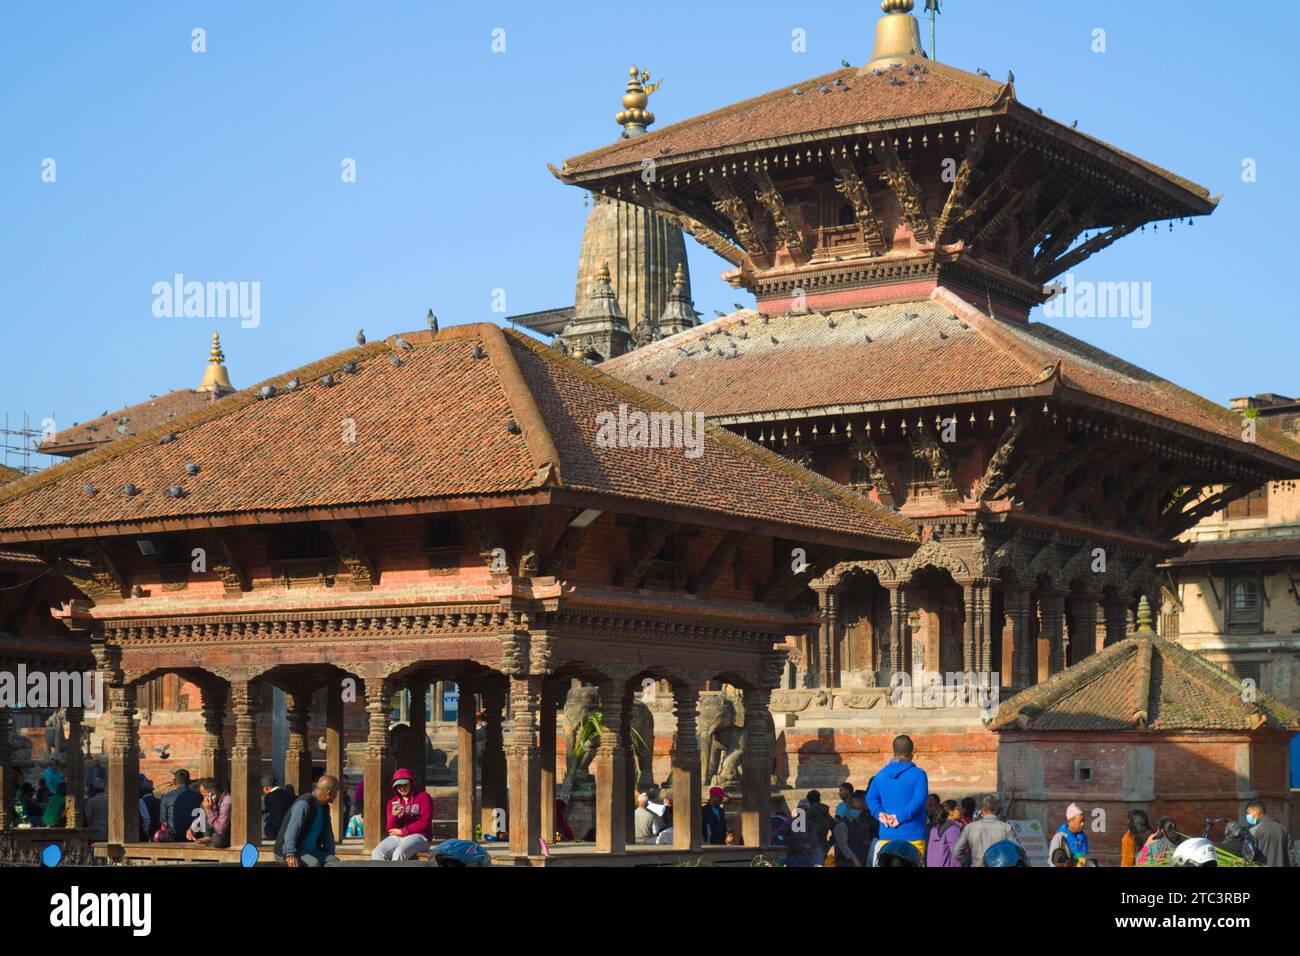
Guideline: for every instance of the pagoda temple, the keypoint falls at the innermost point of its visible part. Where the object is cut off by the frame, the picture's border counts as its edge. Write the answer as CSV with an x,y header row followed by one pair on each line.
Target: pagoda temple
x,y
896,223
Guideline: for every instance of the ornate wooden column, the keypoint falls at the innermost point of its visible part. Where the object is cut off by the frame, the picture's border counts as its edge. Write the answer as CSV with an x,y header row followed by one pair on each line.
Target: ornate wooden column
x,y
336,752
756,771
72,809
977,643
1017,605
523,769
1051,635
686,767
466,763
1116,613
7,773
214,760
546,759
610,768
898,628
493,771
124,752
245,765
823,660
297,755
378,767
417,718
1083,627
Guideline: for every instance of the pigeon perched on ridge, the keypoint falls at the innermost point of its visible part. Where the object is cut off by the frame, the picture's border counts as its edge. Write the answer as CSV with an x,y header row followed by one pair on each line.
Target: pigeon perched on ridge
x,y
432,321
401,343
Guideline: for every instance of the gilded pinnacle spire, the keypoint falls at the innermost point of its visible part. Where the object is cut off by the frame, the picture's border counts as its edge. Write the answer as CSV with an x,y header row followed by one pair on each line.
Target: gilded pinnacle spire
x,y
898,35
634,117
215,377
603,274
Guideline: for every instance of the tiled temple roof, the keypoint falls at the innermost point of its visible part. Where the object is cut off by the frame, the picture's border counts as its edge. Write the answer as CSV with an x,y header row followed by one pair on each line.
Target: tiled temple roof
x,y
856,98
1240,550
442,424
1143,683
136,418
943,349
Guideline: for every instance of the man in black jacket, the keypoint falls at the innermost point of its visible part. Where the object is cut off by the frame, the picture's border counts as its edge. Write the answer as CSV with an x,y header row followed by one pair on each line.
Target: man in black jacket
x,y
178,805
276,801
306,837
1271,838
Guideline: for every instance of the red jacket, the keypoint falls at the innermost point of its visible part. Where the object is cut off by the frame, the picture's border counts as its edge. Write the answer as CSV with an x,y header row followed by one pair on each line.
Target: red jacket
x,y
413,814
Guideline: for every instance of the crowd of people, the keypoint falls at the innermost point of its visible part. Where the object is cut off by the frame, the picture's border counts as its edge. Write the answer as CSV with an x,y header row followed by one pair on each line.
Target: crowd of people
x,y
894,821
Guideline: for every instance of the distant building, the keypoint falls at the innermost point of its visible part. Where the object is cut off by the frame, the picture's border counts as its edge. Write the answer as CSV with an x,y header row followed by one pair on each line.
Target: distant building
x,y
1142,724
109,427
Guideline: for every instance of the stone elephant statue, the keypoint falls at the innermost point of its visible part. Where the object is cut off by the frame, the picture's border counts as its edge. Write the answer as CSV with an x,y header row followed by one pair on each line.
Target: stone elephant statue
x,y
582,701
721,728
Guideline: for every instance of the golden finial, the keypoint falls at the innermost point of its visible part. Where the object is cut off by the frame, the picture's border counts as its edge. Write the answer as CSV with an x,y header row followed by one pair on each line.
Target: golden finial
x,y
603,274
215,377
898,35
679,277
634,117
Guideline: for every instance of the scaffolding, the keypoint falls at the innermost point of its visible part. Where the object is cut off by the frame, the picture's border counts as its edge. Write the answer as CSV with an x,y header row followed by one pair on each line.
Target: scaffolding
x,y
18,446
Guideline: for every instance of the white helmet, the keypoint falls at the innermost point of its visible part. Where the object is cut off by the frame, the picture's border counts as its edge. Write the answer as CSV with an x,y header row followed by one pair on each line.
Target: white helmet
x,y
1195,852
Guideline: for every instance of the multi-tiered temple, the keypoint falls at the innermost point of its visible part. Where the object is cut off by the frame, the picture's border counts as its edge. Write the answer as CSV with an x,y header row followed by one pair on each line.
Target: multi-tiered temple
x,y
896,223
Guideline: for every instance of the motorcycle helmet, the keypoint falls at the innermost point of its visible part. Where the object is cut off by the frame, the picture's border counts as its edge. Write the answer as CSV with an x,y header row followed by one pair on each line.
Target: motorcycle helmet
x,y
459,853
1195,852
1006,853
898,853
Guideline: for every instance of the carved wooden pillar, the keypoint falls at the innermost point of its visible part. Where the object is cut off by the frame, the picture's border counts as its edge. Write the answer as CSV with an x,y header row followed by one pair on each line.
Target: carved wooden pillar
x,y
630,783
466,763
899,608
1017,605
610,768
214,760
977,643
8,775
825,635
245,765
378,767
1051,634
686,767
123,754
336,752
546,758
523,766
756,771
72,810
437,698
297,754
1083,627
417,717
1116,613
493,771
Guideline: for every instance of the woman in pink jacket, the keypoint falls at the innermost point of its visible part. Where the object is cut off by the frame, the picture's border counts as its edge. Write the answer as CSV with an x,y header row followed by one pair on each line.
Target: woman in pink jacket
x,y
408,821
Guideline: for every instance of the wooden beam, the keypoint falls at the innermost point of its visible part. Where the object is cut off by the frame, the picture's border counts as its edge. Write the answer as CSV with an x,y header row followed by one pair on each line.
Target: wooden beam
x,y
721,558
770,197
994,187
995,473
911,203
851,187
961,183
566,549
644,552
352,553
1048,223
736,210
1075,460
1090,248
89,569
1049,450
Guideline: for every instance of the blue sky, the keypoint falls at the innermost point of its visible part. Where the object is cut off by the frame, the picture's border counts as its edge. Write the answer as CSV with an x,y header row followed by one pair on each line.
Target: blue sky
x,y
225,166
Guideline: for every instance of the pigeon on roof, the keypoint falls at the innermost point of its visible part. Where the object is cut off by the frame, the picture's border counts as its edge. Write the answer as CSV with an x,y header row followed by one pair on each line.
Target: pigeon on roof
x,y
432,321
401,343
361,336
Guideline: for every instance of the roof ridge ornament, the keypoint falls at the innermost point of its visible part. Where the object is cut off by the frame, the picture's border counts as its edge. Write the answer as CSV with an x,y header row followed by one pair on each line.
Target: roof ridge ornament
x,y
898,35
215,377
634,117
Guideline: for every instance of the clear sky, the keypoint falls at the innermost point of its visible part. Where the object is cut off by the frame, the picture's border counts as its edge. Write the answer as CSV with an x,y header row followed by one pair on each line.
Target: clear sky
x,y
226,165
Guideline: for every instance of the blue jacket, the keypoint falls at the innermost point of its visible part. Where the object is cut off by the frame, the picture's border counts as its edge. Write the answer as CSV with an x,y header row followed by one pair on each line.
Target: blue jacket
x,y
1077,842
900,788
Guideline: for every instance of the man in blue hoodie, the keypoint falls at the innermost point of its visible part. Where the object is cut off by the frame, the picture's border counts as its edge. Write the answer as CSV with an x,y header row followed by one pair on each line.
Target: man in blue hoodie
x,y
896,797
